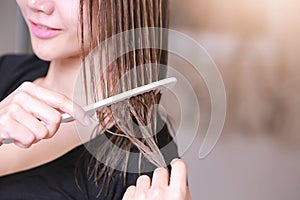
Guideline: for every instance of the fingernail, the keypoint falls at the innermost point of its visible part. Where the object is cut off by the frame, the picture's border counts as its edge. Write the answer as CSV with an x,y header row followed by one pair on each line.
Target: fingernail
x,y
87,121
174,160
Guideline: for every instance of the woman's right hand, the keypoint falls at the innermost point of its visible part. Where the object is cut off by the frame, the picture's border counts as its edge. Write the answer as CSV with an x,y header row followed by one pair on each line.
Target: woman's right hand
x,y
32,113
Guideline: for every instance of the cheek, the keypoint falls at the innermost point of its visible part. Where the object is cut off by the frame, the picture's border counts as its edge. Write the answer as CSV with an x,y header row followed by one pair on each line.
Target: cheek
x,y
22,6
73,38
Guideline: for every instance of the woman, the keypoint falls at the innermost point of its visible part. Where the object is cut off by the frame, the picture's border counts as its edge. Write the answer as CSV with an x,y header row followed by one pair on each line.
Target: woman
x,y
34,93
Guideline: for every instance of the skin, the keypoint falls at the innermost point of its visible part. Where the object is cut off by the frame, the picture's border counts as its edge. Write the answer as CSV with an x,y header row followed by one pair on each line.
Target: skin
x,y
22,111
46,98
162,186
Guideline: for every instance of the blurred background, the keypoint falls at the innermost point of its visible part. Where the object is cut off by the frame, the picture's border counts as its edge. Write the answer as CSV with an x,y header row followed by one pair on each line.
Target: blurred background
x,y
255,45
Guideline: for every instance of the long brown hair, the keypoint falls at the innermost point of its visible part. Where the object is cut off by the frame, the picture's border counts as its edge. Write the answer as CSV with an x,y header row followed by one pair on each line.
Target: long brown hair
x,y
111,72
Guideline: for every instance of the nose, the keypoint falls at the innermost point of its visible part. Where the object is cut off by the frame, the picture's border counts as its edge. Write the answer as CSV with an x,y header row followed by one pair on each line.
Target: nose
x,y
44,6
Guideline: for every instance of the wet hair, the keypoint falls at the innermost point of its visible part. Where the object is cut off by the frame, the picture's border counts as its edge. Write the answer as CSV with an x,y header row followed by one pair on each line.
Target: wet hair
x,y
111,71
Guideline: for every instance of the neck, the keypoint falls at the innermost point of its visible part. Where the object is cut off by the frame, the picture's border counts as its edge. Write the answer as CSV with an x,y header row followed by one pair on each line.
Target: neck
x,y
62,75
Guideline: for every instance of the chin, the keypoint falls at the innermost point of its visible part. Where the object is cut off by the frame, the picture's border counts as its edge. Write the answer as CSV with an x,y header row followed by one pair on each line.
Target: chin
x,y
50,50
43,53
43,57
51,55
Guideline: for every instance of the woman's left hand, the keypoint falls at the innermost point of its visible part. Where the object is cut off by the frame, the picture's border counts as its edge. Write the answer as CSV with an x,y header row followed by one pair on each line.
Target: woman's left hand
x,y
161,187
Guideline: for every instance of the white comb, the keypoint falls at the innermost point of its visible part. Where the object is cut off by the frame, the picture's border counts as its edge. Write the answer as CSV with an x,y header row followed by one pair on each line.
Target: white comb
x,y
92,108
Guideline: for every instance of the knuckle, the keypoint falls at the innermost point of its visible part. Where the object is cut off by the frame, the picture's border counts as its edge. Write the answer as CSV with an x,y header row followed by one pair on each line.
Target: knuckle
x,y
20,97
12,110
4,120
43,133
157,192
52,131
26,85
53,127
62,101
28,140
55,118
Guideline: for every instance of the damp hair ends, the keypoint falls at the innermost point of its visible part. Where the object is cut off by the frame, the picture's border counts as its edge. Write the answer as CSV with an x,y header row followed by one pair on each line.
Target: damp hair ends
x,y
118,62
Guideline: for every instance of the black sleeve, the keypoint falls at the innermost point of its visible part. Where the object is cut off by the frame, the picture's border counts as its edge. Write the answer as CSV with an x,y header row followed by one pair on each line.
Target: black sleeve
x,y
16,69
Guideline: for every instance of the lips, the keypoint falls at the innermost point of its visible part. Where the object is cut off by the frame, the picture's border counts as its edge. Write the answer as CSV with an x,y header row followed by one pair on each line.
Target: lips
x,y
42,31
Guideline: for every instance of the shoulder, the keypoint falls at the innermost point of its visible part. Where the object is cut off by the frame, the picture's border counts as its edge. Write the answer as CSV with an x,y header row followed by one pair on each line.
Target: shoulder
x,y
16,69
18,58
17,63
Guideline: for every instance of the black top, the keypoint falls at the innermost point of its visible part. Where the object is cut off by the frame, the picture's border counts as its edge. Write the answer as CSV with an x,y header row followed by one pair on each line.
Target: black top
x,y
65,177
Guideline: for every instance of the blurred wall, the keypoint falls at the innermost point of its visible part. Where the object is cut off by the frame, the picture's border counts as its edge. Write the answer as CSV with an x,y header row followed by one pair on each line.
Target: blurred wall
x,y
14,34
256,45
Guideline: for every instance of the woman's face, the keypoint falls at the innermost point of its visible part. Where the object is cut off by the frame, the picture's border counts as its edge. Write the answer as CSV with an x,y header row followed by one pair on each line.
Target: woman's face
x,y
54,27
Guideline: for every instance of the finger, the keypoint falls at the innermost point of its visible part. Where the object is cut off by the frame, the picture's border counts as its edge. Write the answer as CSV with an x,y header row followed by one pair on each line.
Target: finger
x,y
160,177
130,192
21,135
143,184
57,101
178,175
39,110
33,124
